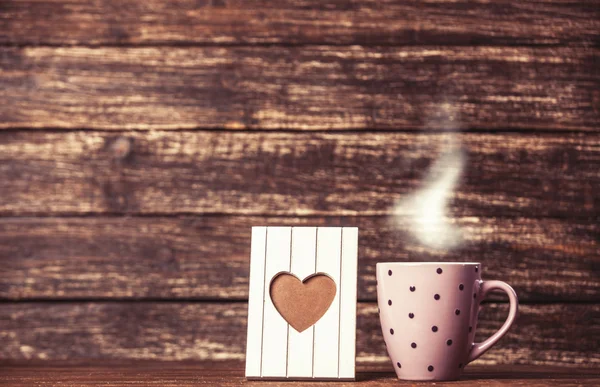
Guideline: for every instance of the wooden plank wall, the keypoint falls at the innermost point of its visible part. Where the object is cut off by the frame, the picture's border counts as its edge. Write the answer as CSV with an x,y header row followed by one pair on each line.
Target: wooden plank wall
x,y
140,141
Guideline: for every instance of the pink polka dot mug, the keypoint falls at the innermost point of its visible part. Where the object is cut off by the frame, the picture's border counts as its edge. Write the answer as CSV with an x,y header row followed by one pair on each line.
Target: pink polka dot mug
x,y
428,313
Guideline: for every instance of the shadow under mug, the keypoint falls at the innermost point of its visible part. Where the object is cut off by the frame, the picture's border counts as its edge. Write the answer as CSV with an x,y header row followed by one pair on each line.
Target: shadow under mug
x,y
428,313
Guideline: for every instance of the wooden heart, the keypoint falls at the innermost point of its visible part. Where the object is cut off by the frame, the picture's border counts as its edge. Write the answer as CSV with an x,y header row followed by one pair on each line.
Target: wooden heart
x,y
302,303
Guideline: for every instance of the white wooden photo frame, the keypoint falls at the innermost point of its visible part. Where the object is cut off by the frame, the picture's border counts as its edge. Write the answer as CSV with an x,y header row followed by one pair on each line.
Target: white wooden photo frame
x,y
325,350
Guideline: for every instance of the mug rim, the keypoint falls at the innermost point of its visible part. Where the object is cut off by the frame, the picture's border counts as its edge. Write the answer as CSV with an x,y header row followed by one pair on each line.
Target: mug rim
x,y
428,263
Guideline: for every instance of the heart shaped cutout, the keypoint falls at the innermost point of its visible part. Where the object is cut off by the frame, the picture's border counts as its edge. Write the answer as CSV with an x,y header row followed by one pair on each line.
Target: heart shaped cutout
x,y
302,303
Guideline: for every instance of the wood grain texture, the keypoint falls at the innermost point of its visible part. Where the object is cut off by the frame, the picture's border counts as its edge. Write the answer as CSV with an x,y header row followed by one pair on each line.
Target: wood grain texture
x,y
152,22
230,373
208,257
298,173
542,335
301,88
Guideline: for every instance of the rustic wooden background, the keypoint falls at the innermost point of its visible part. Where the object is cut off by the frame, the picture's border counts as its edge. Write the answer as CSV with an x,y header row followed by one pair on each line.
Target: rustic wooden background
x,y
140,141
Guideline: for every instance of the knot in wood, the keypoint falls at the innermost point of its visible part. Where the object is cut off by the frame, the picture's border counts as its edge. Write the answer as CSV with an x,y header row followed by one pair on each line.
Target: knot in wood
x,y
121,148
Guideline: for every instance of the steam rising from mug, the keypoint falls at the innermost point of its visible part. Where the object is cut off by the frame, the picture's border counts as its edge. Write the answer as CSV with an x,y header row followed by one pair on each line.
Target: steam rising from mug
x,y
426,210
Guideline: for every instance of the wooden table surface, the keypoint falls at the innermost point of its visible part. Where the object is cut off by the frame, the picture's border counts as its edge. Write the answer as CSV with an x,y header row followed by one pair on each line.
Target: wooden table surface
x,y
232,374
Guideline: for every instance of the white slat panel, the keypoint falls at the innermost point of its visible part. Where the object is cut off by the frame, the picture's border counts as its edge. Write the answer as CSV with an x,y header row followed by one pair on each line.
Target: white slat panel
x,y
348,302
255,301
275,328
300,345
326,334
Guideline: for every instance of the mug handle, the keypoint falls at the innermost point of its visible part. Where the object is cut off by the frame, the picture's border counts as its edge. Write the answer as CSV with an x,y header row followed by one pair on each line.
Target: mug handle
x,y
479,349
